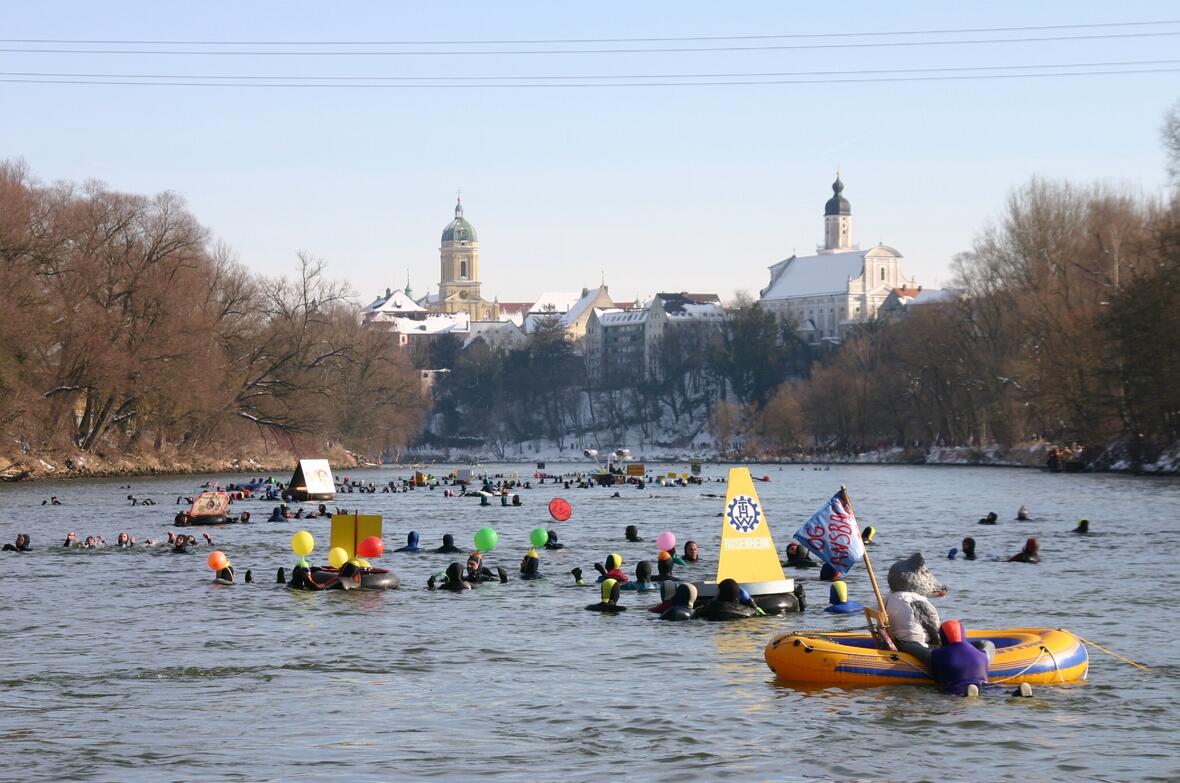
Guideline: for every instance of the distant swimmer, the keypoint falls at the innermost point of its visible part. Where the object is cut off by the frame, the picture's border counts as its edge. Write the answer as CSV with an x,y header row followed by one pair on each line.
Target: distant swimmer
x,y
477,572
868,534
530,566
798,557
552,542
448,546
452,580
838,602
612,569
642,582
692,552
664,567
1029,554
411,543
990,519
632,534
1022,514
683,600
21,544
1083,527
611,589
968,550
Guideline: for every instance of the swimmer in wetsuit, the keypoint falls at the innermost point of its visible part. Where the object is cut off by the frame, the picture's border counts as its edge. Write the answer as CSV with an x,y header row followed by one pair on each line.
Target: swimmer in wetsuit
x,y
958,667
643,581
1083,527
21,544
610,592
453,580
692,552
990,519
681,607
612,569
1029,554
551,542
448,546
411,543
798,557
477,572
729,603
632,534
530,566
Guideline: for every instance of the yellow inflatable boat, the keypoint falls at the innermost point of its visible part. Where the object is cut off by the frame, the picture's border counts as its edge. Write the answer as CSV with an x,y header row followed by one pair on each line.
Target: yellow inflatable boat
x,y
1032,655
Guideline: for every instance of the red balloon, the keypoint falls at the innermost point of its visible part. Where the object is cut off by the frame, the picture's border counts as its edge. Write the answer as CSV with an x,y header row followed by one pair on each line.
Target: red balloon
x,y
560,509
370,547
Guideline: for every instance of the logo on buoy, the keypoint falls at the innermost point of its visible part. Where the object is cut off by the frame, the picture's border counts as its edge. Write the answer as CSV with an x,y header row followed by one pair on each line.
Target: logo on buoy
x,y
743,514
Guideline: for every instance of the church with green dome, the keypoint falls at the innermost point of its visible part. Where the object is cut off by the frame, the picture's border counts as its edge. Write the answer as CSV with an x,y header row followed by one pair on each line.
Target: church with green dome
x,y
458,283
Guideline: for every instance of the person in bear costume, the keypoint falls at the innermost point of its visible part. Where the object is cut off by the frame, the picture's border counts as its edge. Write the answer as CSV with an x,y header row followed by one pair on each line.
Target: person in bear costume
x,y
913,620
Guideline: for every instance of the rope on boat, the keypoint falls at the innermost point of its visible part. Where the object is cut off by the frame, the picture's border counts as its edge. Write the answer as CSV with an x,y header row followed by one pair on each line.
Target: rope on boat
x,y
1056,668
1036,660
1111,653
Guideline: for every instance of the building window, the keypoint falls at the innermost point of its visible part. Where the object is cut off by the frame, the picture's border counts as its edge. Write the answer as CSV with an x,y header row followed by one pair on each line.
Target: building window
x,y
463,270
882,273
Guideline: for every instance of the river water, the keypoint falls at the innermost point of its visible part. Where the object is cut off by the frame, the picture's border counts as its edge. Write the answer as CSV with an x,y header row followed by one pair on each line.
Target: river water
x,y
133,666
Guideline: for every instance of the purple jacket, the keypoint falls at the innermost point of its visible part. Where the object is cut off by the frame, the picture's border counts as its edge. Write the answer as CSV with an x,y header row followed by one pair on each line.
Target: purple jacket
x,y
957,665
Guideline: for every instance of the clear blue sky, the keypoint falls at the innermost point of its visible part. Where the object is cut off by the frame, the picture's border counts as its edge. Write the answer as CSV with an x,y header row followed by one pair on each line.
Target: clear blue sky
x,y
693,187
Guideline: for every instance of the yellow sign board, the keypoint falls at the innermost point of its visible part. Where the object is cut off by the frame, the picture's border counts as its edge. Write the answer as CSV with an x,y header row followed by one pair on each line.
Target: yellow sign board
x,y
747,551
348,530
636,469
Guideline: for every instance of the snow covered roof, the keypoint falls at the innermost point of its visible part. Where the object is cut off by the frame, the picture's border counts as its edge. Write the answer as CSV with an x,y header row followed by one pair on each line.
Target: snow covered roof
x,y
435,323
621,317
927,296
826,273
494,333
395,302
555,302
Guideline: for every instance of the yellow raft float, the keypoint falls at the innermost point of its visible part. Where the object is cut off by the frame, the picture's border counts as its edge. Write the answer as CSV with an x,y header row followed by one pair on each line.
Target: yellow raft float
x,y
1033,655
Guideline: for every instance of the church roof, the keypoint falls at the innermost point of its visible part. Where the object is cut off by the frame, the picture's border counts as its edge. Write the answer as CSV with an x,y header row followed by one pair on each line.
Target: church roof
x,y
827,273
837,204
459,229
394,302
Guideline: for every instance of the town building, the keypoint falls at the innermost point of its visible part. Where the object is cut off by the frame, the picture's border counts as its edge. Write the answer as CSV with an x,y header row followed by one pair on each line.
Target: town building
x,y
569,310
841,287
902,301
626,344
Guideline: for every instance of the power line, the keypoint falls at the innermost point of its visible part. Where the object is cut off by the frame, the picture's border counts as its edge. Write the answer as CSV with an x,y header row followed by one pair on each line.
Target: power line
x,y
589,77
733,83
555,41
665,50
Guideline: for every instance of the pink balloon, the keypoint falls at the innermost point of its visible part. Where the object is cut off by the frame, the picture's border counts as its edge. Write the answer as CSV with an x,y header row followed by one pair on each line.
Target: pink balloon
x,y
666,541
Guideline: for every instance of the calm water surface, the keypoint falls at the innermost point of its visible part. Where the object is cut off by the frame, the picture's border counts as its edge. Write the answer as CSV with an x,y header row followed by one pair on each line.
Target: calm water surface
x,y
133,666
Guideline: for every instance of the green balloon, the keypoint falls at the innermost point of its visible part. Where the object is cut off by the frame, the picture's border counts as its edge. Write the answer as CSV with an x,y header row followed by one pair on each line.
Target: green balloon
x,y
303,563
539,537
485,539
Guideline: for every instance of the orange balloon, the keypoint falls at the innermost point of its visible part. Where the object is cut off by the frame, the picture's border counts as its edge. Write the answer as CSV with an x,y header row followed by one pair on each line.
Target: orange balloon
x,y
218,560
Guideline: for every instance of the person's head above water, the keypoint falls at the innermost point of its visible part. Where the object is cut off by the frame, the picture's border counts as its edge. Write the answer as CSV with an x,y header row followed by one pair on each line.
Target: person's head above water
x,y
611,589
866,535
632,533
454,576
1031,547
613,561
685,595
412,538
838,592
692,552
968,547
1083,526
643,571
448,540
729,591
531,564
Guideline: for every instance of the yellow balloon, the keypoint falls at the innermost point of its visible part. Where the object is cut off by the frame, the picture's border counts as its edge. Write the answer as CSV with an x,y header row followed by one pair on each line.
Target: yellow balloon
x,y
302,543
337,556
363,563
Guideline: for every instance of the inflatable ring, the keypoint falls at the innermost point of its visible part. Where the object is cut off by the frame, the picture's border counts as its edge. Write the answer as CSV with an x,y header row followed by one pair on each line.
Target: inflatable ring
x,y
1040,656
371,578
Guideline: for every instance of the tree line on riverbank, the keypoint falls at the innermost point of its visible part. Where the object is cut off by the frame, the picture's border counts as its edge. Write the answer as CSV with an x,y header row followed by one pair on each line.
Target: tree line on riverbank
x,y
126,329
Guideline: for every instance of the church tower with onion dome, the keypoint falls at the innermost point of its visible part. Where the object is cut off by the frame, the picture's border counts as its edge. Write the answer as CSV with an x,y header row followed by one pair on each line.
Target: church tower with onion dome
x,y
837,221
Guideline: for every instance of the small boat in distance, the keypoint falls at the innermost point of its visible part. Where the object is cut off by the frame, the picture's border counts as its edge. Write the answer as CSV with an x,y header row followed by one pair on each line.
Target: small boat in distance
x,y
748,554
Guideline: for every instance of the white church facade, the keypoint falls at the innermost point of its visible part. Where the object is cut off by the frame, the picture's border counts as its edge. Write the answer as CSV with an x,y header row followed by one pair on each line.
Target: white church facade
x,y
840,287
